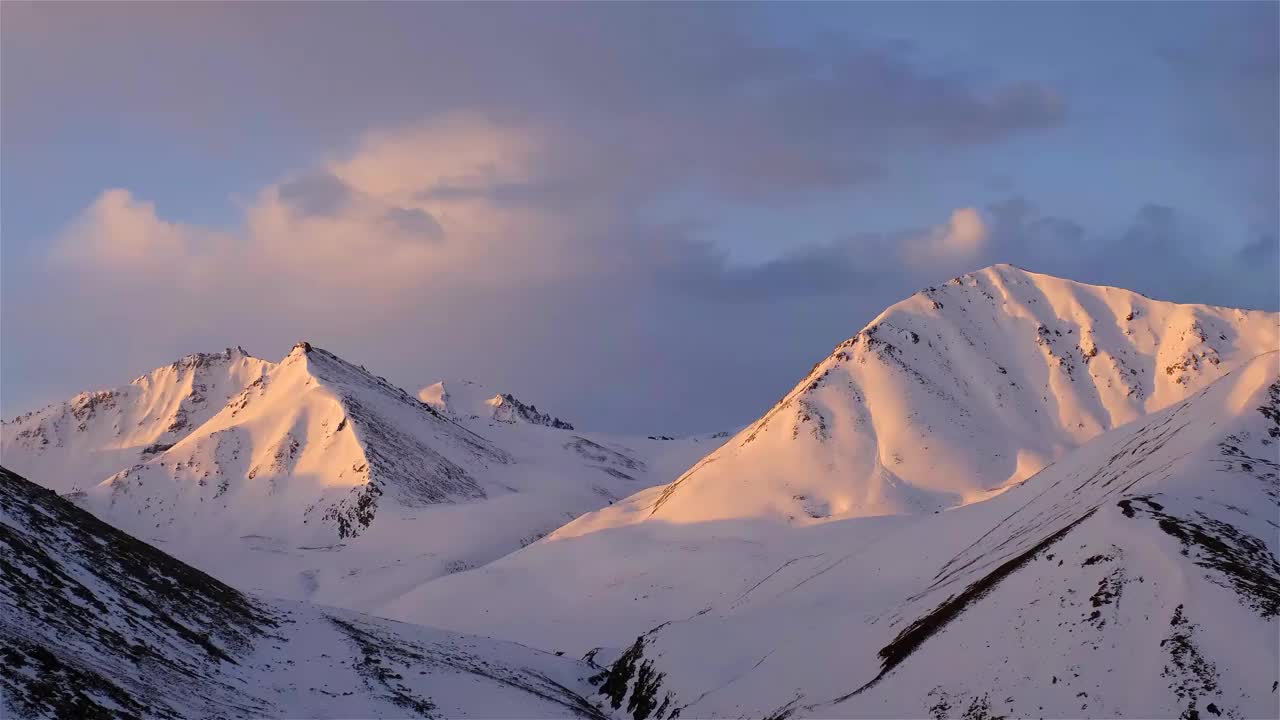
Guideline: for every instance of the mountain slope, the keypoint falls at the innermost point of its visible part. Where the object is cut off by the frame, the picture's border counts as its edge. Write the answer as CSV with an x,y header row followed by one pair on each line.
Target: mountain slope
x,y
98,624
885,429
314,442
97,433
961,391
1138,576
318,480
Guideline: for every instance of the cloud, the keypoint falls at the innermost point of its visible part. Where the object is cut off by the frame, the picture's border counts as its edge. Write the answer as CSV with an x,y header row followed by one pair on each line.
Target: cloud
x,y
324,195
1235,72
593,310
962,238
365,253
965,234
413,221
117,230
1262,252
469,246
486,196
319,194
637,98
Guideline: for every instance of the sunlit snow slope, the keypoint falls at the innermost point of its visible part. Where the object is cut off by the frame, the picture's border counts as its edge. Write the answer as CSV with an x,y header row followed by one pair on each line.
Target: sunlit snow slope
x,y
1136,577
315,479
314,442
1008,370
961,390
96,433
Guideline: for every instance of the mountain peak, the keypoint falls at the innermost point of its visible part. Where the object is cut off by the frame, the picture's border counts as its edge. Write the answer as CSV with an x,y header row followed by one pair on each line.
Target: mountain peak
x,y
317,442
467,400
963,390
199,361
95,433
326,367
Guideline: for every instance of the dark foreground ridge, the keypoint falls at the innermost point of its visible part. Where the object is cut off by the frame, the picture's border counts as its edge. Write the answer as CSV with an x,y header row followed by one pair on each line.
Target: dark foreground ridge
x,y
95,620
97,624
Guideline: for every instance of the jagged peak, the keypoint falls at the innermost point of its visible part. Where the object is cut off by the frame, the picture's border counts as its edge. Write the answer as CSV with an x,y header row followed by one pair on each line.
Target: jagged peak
x,y
470,400
88,398
329,369
198,360
996,283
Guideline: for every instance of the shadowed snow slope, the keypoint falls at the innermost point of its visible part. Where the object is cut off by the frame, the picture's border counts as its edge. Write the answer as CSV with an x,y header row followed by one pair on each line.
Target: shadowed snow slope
x,y
1137,576
97,433
960,391
95,623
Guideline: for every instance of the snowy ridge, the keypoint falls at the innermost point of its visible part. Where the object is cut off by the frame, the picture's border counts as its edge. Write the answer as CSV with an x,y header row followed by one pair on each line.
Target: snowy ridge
x,y
469,401
98,624
317,480
315,441
1136,576
99,432
961,391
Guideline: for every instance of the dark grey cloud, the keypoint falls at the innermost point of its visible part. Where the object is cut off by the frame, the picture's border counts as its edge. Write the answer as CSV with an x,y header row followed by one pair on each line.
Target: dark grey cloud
x,y
414,221
700,270
319,194
1262,252
1231,78
1165,252
1161,251
644,95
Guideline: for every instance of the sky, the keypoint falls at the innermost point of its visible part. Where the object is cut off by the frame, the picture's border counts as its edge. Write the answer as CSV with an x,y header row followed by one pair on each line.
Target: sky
x,y
643,217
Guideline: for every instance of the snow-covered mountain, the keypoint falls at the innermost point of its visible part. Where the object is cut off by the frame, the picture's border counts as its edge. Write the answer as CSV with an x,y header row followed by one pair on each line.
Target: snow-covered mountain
x,y
469,401
316,479
94,623
1136,577
985,396
1012,495
961,391
99,432
314,442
